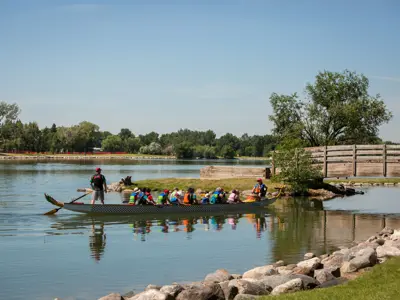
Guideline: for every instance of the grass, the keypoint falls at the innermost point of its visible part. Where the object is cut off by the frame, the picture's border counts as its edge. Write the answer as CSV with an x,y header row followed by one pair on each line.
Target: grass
x,y
203,184
381,283
365,180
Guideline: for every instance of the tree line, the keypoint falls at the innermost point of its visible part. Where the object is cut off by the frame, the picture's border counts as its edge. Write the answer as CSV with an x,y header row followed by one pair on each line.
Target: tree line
x,y
337,109
185,143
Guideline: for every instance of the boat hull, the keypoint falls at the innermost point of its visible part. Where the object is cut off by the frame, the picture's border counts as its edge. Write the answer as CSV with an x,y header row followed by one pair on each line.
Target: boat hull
x,y
121,209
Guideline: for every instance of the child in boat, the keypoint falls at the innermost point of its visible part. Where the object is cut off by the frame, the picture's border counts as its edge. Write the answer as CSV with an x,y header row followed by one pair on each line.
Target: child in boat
x,y
163,199
206,198
189,197
134,196
149,197
234,197
218,196
260,188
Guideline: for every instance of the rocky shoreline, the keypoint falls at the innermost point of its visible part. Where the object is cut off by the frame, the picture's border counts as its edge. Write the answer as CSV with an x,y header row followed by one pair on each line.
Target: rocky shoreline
x,y
278,278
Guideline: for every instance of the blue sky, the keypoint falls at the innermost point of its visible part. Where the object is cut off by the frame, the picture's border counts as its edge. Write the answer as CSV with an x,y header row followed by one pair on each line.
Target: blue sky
x,y
164,65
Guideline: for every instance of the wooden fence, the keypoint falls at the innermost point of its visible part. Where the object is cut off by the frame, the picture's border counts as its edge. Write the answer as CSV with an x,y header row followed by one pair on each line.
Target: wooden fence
x,y
357,160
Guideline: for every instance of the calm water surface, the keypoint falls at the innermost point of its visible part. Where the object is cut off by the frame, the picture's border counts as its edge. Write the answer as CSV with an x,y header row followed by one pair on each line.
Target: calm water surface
x,y
73,256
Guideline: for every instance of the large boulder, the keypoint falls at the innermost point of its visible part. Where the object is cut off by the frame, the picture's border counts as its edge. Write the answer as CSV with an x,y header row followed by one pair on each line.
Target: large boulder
x,y
286,270
323,275
218,276
386,230
333,261
395,236
311,264
260,272
152,294
113,296
254,287
387,250
309,255
366,257
206,291
276,280
172,290
392,243
230,291
152,287
291,286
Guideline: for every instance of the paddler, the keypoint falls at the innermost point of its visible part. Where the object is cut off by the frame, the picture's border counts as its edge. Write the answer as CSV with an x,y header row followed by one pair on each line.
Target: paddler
x,y
260,188
163,199
99,186
134,196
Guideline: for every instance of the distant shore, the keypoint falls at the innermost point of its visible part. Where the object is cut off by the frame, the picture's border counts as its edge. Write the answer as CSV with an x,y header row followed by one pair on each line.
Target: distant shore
x,y
11,156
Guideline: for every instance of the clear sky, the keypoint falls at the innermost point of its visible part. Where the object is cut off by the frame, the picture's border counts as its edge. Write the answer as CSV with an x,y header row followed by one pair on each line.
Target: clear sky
x,y
168,64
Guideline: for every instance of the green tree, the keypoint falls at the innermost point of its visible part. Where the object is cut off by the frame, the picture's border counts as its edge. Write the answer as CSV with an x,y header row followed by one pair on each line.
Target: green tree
x,y
228,152
184,150
112,143
295,165
125,134
131,144
338,110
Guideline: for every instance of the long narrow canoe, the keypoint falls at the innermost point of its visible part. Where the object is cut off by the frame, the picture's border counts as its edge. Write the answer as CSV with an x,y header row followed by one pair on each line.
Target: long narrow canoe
x,y
126,209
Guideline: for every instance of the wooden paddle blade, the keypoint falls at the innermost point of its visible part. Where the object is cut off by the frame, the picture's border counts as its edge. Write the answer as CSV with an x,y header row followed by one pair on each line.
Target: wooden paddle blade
x,y
52,212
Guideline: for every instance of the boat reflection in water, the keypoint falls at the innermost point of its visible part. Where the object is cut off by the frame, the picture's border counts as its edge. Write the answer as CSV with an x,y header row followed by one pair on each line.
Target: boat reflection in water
x,y
292,227
97,240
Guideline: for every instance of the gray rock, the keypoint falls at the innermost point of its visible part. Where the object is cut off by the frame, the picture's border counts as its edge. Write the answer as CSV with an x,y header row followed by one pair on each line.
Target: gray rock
x,y
391,243
172,290
246,297
395,236
279,263
219,276
256,287
230,291
323,275
260,272
128,294
333,282
309,271
113,296
365,258
152,287
323,256
284,270
276,280
347,267
372,238
206,291
152,294
386,230
309,255
386,251
291,286
308,282
333,261
237,276
312,264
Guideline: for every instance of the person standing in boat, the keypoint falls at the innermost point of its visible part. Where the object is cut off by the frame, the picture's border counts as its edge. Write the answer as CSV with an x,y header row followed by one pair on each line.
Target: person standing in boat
x,y
99,186
260,188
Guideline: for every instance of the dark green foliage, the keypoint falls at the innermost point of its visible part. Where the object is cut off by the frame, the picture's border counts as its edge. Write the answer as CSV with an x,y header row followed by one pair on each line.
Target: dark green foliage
x,y
337,110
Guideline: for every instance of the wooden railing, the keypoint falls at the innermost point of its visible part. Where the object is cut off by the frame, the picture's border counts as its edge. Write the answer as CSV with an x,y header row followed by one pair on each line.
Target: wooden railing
x,y
358,160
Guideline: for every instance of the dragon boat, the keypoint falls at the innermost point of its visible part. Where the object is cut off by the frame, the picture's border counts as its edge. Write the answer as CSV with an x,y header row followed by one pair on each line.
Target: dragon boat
x,y
126,209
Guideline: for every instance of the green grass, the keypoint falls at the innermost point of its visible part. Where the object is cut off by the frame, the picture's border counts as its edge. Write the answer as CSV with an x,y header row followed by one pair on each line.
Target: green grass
x,y
365,180
382,283
203,184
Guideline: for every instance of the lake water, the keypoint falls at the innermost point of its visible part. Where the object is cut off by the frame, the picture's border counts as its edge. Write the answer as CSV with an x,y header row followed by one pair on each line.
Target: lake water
x,y
74,256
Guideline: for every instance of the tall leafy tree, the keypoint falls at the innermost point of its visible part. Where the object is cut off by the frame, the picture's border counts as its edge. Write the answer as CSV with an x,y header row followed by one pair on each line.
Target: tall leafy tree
x,y
337,110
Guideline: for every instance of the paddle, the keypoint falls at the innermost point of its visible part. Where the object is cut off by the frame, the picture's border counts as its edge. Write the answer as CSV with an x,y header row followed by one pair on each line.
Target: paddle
x,y
53,211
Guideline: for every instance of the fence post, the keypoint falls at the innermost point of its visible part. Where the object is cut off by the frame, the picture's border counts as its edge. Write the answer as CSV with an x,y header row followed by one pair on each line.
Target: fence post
x,y
273,164
325,162
384,161
354,161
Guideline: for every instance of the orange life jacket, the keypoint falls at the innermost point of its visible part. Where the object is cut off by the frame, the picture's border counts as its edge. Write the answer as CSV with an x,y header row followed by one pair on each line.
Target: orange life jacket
x,y
186,198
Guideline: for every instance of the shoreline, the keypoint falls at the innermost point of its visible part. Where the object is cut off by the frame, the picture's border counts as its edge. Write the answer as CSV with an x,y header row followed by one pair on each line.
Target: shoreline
x,y
8,156
318,273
